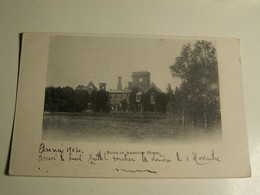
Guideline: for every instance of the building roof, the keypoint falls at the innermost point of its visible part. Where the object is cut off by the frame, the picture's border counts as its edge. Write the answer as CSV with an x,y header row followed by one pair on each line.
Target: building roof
x,y
91,86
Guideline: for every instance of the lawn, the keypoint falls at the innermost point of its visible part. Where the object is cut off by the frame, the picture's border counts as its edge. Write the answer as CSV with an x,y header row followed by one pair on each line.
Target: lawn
x,y
118,126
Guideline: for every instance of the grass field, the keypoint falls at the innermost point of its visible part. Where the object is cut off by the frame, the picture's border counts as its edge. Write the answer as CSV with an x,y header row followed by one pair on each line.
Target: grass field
x,y
119,126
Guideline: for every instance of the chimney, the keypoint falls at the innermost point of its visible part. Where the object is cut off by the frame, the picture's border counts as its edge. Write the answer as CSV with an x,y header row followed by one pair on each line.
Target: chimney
x,y
119,84
102,86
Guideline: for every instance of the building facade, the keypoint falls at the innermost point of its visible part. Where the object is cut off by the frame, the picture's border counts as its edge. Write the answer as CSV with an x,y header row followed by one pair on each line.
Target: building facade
x,y
140,96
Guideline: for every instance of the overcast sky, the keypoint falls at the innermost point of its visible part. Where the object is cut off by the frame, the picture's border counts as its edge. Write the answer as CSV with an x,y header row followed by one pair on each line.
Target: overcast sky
x,y
75,60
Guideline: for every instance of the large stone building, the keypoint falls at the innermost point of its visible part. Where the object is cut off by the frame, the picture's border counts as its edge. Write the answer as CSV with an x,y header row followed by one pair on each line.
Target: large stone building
x,y
140,96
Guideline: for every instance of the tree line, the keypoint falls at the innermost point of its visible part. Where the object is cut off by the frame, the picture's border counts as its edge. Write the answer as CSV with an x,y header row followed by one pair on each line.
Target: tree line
x,y
66,99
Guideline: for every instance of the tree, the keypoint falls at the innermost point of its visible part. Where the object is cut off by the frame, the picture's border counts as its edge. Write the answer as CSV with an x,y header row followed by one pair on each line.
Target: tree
x,y
81,98
177,101
102,101
52,99
161,102
59,99
65,99
199,91
68,99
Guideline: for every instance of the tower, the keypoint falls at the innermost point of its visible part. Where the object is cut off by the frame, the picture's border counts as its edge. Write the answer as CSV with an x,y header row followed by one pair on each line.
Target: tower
x,y
141,80
119,84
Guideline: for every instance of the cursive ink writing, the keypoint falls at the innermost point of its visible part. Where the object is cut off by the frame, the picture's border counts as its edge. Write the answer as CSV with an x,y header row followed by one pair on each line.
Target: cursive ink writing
x,y
44,149
42,158
203,159
75,154
99,156
125,157
160,158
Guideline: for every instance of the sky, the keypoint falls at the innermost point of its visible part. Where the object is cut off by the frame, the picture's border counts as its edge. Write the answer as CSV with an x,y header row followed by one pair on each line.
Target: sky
x,y
77,60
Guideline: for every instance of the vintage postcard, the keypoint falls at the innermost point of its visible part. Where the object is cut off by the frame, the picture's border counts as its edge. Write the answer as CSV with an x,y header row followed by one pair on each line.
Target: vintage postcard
x,y
93,105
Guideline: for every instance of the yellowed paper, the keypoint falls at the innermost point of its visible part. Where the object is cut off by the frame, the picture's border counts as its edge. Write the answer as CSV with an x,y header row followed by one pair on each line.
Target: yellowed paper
x,y
129,106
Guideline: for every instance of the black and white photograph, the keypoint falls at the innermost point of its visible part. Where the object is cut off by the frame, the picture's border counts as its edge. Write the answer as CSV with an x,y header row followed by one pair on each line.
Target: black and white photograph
x,y
131,89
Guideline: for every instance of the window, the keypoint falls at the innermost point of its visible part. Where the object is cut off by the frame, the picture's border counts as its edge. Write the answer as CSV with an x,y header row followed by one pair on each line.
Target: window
x,y
138,98
152,98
